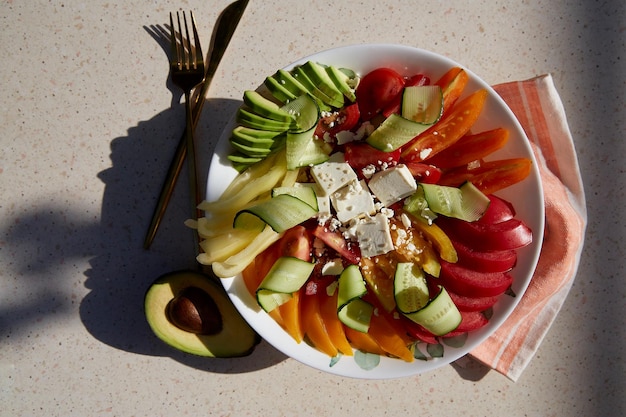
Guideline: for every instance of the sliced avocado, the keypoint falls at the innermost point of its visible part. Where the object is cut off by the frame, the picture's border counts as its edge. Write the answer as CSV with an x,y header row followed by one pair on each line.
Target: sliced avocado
x,y
317,73
300,75
287,80
265,107
278,90
207,323
248,119
246,140
241,161
250,150
340,79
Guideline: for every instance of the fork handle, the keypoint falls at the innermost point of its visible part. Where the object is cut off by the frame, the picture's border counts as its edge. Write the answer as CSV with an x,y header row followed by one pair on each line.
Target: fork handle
x,y
191,164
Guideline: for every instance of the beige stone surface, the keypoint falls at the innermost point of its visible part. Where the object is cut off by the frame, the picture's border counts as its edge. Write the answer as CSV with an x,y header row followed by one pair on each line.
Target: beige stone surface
x,y
88,127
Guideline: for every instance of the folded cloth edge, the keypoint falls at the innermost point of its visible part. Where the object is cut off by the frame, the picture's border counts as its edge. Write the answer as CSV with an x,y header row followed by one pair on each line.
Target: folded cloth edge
x,y
539,109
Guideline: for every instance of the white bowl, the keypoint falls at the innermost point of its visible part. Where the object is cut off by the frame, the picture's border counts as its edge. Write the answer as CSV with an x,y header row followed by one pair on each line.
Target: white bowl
x,y
527,197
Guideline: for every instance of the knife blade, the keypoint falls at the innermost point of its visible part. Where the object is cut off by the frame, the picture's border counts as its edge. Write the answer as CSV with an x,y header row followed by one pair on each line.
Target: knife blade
x,y
225,28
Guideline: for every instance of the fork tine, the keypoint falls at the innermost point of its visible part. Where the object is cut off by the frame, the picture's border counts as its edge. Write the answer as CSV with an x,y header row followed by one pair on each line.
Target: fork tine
x,y
175,59
199,58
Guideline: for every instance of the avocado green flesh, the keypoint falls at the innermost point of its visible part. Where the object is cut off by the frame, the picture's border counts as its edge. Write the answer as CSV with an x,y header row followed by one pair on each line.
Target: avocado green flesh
x,y
264,107
318,75
255,121
265,125
236,339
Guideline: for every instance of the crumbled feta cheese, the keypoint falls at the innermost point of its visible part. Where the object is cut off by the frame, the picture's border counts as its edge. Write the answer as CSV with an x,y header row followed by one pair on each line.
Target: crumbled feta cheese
x,y
333,267
425,152
474,164
368,171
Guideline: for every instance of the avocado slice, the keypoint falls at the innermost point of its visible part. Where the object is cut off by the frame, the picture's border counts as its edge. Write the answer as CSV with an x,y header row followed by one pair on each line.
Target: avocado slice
x,y
207,323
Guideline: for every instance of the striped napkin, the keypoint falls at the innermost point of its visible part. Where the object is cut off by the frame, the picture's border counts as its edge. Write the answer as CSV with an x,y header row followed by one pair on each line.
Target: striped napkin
x,y
538,107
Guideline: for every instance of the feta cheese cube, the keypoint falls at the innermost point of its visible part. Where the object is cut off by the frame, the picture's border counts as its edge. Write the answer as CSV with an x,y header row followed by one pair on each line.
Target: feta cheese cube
x,y
333,174
352,200
374,236
393,184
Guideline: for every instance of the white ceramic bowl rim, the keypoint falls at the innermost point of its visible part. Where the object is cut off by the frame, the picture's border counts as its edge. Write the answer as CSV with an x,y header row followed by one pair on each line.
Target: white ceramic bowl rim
x,y
526,196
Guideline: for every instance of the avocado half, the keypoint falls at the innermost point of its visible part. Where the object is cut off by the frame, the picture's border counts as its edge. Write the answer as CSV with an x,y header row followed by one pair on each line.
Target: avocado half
x,y
224,333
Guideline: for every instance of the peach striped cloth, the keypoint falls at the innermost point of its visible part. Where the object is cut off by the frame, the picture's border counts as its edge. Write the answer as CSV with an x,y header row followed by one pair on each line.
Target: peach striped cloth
x,y
539,109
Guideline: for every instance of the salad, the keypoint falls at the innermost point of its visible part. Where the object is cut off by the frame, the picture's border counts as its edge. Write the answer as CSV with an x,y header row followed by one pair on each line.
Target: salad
x,y
364,217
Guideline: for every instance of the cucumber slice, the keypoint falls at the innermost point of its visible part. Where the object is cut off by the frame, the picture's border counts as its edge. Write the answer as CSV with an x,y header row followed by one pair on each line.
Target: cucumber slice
x,y
440,316
410,288
422,107
280,213
304,111
303,149
287,275
394,132
351,309
306,194
417,205
466,202
422,104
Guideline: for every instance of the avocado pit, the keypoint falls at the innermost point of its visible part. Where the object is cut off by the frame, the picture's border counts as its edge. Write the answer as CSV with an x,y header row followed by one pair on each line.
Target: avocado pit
x,y
195,311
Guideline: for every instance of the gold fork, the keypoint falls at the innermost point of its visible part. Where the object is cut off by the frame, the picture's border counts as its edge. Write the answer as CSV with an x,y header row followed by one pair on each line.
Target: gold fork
x,y
187,71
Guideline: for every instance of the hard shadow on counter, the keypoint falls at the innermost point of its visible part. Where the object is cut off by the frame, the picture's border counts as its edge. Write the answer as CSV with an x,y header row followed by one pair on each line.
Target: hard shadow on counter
x,y
122,271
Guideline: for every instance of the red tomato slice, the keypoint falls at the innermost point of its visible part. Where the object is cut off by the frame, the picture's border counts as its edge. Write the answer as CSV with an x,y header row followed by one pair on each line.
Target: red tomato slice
x,y
468,283
499,211
509,234
345,119
473,303
360,154
425,173
376,90
470,321
418,332
492,261
336,241
295,242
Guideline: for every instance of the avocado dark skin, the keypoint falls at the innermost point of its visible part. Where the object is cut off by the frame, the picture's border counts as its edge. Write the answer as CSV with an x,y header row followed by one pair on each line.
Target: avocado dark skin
x,y
191,312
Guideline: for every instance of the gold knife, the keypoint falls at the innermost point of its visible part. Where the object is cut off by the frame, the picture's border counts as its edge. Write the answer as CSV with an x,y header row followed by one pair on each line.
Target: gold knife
x,y
227,23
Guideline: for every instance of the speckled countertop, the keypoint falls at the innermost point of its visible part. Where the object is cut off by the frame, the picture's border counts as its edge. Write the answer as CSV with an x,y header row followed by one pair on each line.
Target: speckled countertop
x,y
89,127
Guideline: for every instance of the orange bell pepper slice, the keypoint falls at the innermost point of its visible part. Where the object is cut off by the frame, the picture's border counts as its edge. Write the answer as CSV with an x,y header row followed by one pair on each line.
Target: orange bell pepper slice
x,y
452,84
449,129
334,328
390,337
491,176
378,273
313,325
470,148
290,314
363,341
